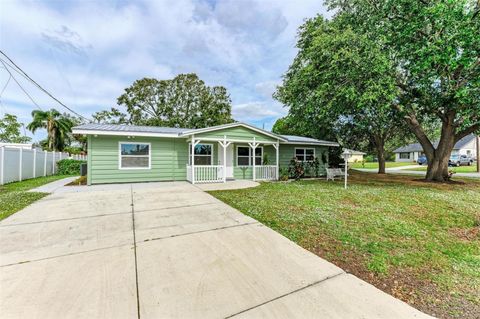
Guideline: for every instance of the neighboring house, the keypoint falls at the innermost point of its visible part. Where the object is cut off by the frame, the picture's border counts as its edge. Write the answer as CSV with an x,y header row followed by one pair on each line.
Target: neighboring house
x,y
411,152
356,156
125,153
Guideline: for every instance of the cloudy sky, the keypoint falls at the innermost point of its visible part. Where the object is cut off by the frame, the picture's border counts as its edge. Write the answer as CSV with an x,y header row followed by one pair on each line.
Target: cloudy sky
x,y
86,52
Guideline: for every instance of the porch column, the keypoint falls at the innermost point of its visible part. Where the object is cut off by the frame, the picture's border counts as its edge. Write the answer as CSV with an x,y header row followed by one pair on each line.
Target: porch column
x,y
192,160
224,159
277,146
253,146
224,145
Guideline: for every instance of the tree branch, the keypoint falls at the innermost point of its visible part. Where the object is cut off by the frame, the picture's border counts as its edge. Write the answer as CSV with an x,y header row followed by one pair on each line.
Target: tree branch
x,y
467,131
417,129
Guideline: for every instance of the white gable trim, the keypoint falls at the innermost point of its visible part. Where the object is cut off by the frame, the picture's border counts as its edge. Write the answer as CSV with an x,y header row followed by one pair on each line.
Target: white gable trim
x,y
230,125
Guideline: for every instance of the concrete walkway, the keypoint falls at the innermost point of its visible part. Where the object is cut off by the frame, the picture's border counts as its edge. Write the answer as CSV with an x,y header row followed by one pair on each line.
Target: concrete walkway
x,y
53,186
167,250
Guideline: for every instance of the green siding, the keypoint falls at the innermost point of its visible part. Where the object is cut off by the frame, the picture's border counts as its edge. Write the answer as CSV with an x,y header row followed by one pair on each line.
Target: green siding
x,y
244,172
89,160
169,157
287,152
238,133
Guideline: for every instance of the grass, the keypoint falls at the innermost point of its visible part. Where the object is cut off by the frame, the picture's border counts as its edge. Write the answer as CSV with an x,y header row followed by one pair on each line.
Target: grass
x,y
375,164
82,180
459,169
417,241
14,196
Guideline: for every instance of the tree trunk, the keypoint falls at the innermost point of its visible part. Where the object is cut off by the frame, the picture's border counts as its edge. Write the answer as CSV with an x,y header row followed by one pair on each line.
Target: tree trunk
x,y
438,164
381,161
380,147
437,157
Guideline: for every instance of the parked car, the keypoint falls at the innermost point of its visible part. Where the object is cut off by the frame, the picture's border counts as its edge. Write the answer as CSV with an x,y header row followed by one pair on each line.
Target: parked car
x,y
457,160
422,160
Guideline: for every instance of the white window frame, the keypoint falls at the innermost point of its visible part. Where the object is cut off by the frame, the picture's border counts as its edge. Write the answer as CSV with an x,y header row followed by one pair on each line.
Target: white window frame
x,y
402,153
133,142
304,153
250,157
190,154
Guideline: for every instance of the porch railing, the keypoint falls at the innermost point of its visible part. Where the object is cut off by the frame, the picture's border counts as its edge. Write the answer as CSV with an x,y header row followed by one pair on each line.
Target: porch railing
x,y
266,172
205,173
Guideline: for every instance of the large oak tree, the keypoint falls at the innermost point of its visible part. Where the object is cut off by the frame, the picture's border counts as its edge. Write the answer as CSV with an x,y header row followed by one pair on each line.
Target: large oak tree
x,y
184,101
434,47
341,79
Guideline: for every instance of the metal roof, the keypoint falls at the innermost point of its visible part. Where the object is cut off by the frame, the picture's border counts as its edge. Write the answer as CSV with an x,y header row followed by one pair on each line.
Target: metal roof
x,y
130,128
417,147
119,129
309,140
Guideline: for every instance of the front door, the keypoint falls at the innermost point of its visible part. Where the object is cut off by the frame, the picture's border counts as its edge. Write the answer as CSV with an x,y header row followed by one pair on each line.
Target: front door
x,y
229,159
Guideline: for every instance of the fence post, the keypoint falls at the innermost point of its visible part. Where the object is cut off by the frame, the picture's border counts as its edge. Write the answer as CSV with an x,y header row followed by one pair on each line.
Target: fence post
x,y
34,162
53,163
45,163
2,165
20,160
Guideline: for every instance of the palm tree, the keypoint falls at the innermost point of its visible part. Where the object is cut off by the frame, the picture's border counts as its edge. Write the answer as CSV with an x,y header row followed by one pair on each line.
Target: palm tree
x,y
57,125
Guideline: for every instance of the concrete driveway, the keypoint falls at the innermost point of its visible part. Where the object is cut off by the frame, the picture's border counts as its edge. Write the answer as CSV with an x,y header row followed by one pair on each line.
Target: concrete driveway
x,y
167,250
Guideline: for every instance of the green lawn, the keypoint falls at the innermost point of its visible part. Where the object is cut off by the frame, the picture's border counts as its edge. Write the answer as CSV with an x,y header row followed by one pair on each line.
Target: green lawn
x,y
417,241
375,165
14,196
459,169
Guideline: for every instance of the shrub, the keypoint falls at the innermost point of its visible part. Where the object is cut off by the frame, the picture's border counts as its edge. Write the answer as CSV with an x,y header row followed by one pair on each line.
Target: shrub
x,y
266,159
283,176
73,150
335,156
369,159
296,169
69,167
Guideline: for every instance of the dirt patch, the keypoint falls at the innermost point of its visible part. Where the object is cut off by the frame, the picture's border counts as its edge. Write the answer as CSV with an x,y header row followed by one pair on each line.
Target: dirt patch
x,y
437,182
407,284
363,178
467,234
82,180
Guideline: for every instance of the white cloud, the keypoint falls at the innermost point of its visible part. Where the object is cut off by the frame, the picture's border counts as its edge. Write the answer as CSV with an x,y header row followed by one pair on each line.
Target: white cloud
x,y
267,88
87,52
257,110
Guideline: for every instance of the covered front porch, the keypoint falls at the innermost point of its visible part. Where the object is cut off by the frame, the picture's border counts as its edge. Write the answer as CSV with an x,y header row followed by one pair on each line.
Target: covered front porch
x,y
216,160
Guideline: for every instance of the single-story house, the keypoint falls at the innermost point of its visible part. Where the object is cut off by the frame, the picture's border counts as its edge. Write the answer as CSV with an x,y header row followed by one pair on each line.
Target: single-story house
x,y
411,152
127,153
355,156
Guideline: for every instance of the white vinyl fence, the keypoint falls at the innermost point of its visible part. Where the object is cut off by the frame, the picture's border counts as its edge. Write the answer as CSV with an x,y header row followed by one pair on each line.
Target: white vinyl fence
x,y
17,164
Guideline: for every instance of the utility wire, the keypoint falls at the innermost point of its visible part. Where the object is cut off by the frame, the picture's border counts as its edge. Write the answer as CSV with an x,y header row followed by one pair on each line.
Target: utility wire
x,y
41,88
21,87
5,86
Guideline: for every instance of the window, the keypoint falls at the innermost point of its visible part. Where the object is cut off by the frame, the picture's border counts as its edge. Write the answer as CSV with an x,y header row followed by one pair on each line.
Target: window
x,y
405,155
469,152
305,154
203,154
134,155
244,156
